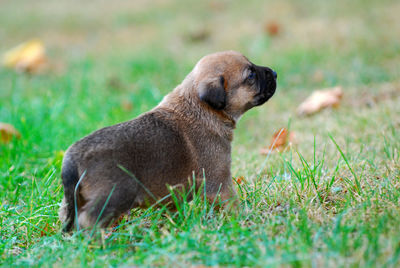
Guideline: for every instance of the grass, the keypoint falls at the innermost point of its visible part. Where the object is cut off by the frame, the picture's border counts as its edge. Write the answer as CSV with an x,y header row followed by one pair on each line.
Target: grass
x,y
332,199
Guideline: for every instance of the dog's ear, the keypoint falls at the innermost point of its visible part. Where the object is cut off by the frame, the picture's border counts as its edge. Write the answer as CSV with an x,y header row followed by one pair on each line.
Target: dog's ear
x,y
213,92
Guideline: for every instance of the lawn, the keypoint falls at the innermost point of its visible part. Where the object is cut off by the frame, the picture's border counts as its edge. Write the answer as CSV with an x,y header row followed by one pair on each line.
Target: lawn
x,y
330,199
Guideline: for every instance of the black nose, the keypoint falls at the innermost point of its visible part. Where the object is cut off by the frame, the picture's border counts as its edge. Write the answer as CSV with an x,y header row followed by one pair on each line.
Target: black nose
x,y
274,74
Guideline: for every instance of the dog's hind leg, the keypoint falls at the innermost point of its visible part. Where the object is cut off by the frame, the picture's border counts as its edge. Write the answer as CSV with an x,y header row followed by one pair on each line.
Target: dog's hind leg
x,y
103,210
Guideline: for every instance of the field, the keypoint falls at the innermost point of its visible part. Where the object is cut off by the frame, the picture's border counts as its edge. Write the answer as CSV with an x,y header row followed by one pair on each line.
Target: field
x,y
330,199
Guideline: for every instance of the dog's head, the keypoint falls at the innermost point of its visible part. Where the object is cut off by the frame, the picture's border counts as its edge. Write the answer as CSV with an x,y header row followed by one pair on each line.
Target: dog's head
x,y
229,81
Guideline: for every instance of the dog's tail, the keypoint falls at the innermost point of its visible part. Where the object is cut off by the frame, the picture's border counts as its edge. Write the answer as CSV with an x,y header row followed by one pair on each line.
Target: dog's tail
x,y
70,178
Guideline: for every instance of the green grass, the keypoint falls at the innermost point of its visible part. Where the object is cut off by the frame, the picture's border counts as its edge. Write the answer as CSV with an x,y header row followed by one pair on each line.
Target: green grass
x,y
332,199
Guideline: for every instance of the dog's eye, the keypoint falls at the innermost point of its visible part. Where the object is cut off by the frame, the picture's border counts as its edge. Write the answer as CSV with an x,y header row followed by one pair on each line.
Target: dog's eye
x,y
252,75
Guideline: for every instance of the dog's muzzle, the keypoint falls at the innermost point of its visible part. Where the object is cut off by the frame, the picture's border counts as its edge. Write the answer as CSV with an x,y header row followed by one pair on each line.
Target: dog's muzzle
x,y
267,85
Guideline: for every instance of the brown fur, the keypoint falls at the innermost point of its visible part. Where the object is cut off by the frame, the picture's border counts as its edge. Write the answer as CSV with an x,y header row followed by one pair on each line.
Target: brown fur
x,y
189,132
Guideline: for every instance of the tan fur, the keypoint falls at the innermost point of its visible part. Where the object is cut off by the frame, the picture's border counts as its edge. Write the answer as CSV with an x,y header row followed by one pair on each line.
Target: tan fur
x,y
188,133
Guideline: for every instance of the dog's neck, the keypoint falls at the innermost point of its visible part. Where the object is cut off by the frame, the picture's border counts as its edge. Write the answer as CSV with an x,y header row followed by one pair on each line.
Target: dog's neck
x,y
228,120
189,107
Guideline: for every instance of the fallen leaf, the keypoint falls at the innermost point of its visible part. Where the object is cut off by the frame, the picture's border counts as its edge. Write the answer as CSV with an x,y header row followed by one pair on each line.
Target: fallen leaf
x,y
126,105
272,28
240,180
26,57
198,35
7,132
115,83
321,99
45,230
279,141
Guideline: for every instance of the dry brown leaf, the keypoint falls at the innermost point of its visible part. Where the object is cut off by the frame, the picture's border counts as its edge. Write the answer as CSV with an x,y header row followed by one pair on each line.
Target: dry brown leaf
x,y
7,132
280,140
115,83
321,99
198,35
126,105
45,230
240,180
272,28
27,57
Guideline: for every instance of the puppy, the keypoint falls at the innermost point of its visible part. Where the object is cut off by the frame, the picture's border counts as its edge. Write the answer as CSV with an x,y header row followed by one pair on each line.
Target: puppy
x,y
130,164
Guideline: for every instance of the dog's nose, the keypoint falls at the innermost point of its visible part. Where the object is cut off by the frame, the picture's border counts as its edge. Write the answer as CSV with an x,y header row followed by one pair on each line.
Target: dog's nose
x,y
274,74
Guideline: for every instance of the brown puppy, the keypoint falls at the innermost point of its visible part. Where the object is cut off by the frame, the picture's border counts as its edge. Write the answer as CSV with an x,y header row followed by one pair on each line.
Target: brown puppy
x,y
130,164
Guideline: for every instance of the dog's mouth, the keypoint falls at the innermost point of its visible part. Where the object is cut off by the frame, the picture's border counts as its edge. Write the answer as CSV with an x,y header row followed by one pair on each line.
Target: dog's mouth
x,y
266,85
265,94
